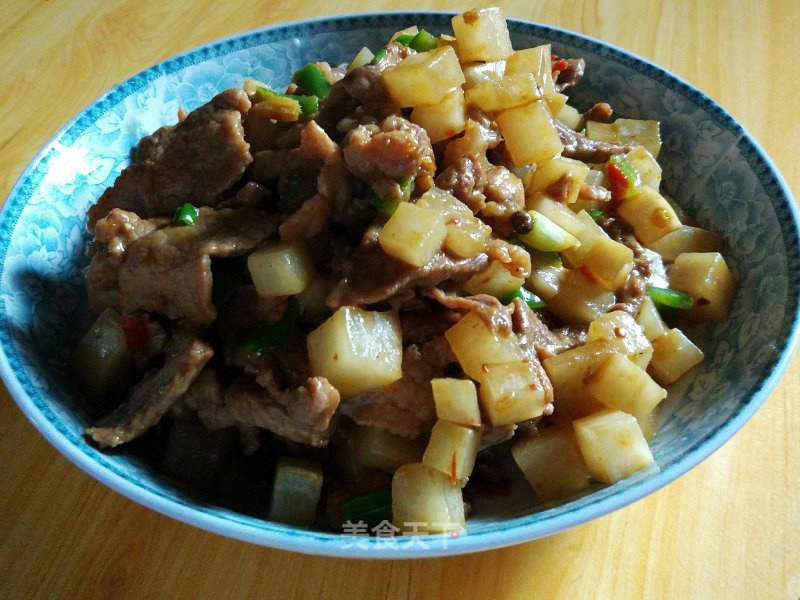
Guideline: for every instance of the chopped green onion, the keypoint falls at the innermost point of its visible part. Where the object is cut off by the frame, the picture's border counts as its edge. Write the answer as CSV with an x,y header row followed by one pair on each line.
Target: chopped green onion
x,y
311,80
669,298
388,204
422,42
404,38
371,507
406,189
531,299
186,214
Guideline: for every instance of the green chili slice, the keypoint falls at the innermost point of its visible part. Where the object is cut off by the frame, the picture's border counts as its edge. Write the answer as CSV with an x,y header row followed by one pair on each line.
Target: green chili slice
x,y
669,298
527,296
309,105
311,81
404,38
379,55
269,335
422,42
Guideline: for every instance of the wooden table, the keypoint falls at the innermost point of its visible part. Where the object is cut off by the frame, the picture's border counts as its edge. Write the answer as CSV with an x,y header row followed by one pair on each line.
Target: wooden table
x,y
728,529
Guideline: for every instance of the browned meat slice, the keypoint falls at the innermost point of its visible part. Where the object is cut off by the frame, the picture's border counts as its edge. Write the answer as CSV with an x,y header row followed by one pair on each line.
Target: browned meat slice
x,y
536,343
535,337
492,192
601,112
315,143
561,188
515,259
421,325
362,89
465,178
169,270
481,134
365,84
102,286
333,185
580,147
648,269
194,161
113,235
206,397
569,74
489,308
406,406
370,275
311,179
251,195
302,414
594,193
119,228
308,220
386,154
158,390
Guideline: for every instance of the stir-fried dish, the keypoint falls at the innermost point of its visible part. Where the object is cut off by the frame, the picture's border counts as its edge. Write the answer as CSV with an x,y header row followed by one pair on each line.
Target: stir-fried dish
x,y
351,300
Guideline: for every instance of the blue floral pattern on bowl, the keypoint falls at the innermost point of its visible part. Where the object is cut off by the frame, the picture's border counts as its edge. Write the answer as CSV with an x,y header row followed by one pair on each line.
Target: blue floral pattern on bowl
x,y
711,167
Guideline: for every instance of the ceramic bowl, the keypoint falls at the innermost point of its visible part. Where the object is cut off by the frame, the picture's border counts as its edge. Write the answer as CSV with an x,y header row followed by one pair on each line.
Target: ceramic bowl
x,y
712,167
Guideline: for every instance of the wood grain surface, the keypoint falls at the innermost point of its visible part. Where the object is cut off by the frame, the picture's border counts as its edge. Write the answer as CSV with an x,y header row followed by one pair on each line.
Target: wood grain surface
x,y
728,529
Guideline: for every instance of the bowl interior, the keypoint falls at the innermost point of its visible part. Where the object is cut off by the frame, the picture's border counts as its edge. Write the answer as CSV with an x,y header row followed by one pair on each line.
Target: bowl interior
x,y
711,167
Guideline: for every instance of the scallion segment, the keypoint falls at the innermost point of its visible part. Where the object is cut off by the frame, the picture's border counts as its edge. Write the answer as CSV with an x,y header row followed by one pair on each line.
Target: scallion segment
x,y
546,235
669,298
554,258
186,215
371,507
386,205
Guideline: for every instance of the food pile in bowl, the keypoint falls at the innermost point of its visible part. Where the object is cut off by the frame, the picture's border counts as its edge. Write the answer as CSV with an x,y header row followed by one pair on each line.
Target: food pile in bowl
x,y
364,297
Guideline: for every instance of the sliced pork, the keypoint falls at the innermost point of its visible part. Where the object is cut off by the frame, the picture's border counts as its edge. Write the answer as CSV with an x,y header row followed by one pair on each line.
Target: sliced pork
x,y
158,390
194,161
